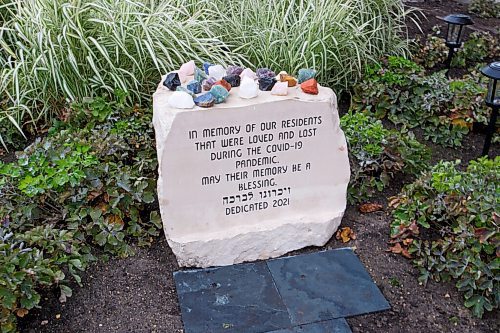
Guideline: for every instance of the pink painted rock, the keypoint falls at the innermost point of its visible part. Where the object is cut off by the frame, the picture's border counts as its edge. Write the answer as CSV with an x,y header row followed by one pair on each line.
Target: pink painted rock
x,y
280,89
247,72
187,69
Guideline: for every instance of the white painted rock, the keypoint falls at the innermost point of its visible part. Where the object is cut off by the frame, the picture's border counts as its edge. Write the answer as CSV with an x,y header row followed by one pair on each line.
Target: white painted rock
x,y
248,88
250,179
217,72
180,100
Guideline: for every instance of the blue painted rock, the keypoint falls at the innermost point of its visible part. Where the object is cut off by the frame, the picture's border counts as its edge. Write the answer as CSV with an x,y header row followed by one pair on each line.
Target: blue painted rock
x,y
205,101
183,89
306,74
233,79
266,83
199,75
194,86
206,65
220,93
172,81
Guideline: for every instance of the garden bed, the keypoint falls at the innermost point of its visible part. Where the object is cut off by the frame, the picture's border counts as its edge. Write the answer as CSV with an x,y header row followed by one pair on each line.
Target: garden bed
x,y
138,293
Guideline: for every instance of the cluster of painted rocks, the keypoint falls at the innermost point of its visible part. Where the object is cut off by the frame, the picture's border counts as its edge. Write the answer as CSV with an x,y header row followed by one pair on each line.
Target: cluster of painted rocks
x,y
212,83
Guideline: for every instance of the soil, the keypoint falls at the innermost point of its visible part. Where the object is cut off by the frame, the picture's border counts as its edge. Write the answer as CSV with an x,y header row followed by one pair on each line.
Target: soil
x,y
138,294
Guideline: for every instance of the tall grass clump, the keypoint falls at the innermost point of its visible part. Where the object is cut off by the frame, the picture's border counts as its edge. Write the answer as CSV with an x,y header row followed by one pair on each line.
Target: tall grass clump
x,y
336,37
55,52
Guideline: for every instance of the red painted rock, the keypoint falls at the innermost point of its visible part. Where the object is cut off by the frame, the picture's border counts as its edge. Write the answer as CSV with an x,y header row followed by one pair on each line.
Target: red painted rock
x,y
223,83
310,86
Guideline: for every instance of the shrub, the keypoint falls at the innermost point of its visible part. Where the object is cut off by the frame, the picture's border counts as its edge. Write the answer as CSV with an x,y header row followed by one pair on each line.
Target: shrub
x,y
72,50
485,8
337,37
376,154
73,191
445,109
449,219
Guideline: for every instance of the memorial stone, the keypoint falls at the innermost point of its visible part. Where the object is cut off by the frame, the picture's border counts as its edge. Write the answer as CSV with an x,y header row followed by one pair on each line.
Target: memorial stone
x,y
250,179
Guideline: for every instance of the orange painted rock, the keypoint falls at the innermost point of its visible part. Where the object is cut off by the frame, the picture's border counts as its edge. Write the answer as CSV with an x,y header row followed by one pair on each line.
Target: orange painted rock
x,y
292,82
310,86
223,83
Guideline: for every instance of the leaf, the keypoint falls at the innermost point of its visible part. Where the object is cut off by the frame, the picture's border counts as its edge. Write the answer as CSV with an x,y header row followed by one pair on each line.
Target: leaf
x,y
346,234
65,293
483,234
370,208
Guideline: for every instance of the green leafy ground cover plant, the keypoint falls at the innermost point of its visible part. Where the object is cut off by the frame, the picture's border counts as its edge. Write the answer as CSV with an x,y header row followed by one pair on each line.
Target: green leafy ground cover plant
x,y
376,154
448,221
86,186
485,8
478,46
400,90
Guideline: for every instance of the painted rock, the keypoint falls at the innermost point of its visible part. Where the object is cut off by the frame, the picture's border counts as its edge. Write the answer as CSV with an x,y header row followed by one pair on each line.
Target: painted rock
x,y
217,72
187,69
248,88
194,86
265,73
310,86
292,82
206,65
223,83
219,92
199,75
208,83
280,89
247,72
306,74
205,101
236,70
172,81
184,89
233,79
181,100
266,83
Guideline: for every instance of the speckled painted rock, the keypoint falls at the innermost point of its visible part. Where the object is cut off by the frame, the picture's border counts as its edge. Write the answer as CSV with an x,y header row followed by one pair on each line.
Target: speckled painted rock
x,y
306,74
194,86
265,73
310,87
184,89
199,75
233,79
223,83
220,93
267,83
205,101
236,70
208,83
172,81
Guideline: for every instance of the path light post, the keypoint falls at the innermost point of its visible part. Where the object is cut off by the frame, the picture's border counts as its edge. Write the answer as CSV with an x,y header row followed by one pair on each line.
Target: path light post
x,y
456,22
492,71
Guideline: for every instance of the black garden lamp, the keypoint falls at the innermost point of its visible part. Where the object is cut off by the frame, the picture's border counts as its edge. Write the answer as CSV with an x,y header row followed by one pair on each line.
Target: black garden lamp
x,y
492,71
456,22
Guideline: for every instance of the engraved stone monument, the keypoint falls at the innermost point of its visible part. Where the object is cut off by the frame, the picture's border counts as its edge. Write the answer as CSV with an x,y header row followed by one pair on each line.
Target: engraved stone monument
x,y
252,178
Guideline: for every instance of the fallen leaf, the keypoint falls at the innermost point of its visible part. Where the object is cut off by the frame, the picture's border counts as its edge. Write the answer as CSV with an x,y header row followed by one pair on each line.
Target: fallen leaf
x,y
407,241
396,248
370,208
21,312
115,219
345,234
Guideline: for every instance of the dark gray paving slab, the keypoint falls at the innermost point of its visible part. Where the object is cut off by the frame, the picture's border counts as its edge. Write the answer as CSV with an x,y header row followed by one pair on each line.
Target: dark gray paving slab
x,y
238,298
325,285
330,326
